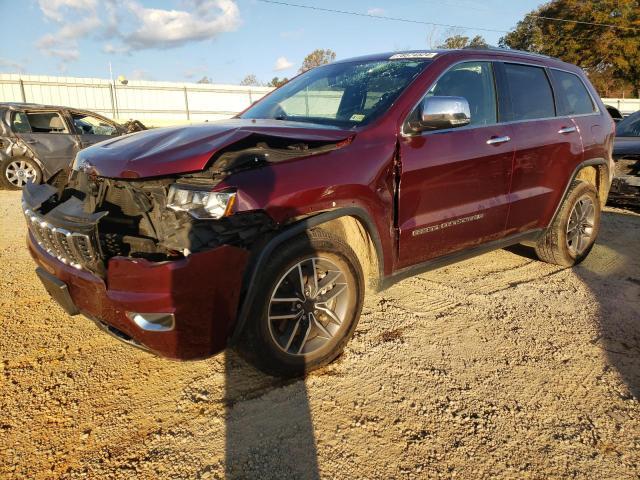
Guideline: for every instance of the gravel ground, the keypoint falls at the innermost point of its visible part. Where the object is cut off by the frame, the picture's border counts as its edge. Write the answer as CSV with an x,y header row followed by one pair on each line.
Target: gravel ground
x,y
500,366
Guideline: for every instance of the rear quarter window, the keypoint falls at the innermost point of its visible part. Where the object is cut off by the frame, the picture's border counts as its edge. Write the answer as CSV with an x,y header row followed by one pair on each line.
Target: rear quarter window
x,y
573,97
20,123
530,91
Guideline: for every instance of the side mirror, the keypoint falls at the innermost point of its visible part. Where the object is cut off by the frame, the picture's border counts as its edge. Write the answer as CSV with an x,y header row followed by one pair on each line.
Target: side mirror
x,y
443,112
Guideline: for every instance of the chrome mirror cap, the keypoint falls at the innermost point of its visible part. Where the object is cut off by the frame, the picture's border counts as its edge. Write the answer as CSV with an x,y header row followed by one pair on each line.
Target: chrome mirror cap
x,y
444,112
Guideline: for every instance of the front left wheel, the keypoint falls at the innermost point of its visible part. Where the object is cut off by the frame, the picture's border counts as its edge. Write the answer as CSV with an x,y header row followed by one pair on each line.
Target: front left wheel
x,y
308,305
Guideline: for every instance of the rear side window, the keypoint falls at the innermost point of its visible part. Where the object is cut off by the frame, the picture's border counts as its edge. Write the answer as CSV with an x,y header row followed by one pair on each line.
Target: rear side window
x,y
531,95
573,97
629,127
46,122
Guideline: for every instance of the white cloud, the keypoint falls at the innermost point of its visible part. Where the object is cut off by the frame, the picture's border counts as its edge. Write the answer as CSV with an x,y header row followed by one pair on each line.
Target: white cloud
x,y
282,64
127,25
55,9
376,11
159,28
8,64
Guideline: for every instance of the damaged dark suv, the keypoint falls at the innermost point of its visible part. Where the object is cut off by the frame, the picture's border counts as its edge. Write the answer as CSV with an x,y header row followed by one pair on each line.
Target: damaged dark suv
x,y
263,231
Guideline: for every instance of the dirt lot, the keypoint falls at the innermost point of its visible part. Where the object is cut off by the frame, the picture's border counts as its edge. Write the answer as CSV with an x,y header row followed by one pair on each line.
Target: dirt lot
x,y
500,366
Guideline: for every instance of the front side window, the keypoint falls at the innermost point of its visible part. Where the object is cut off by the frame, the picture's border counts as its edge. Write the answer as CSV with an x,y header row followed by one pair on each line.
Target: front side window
x,y
46,122
474,82
573,97
90,125
531,95
341,94
20,123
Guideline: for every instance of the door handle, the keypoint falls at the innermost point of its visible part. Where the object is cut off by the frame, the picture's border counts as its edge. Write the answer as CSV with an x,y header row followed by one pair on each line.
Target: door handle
x,y
498,140
567,130
31,141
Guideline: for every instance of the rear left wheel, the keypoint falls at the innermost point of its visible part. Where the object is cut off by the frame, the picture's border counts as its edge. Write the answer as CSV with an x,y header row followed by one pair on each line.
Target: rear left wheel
x,y
309,302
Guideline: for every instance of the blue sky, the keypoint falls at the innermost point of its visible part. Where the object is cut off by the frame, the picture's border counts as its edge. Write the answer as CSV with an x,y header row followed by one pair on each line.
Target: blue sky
x,y
184,40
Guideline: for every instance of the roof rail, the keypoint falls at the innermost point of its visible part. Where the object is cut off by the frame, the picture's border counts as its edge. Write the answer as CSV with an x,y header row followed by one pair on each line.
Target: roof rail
x,y
502,49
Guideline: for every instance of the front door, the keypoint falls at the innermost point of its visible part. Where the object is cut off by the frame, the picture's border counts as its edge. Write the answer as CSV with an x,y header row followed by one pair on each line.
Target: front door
x,y
92,129
454,183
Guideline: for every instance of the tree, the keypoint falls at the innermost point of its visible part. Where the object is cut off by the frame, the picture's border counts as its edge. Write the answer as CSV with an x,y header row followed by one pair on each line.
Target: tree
x,y
250,81
205,79
461,41
608,55
277,82
316,58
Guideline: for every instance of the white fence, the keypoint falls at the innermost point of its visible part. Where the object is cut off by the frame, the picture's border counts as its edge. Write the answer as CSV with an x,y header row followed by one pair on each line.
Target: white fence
x,y
160,103
625,105
154,103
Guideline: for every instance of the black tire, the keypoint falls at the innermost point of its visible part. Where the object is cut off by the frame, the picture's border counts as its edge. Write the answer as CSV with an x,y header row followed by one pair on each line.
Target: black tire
x,y
258,343
554,247
8,178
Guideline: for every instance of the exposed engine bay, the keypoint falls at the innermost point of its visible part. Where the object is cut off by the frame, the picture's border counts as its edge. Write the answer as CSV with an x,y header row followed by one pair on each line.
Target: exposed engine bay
x,y
91,219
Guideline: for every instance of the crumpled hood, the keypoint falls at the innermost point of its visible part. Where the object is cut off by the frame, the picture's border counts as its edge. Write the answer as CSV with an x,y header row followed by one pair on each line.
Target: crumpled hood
x,y
167,151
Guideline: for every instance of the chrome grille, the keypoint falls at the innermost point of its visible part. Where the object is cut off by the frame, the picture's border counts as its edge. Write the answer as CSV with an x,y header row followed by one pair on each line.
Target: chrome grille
x,y
71,248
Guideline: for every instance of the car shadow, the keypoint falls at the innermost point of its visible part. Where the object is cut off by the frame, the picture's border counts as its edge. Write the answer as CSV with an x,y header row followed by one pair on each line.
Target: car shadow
x,y
273,439
611,272
274,442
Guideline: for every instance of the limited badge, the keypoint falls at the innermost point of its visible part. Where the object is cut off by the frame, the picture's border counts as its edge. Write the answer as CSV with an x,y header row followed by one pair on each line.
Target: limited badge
x,y
412,55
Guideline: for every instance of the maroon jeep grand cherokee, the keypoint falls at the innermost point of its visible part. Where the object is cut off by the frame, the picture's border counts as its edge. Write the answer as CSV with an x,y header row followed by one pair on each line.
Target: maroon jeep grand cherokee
x,y
262,231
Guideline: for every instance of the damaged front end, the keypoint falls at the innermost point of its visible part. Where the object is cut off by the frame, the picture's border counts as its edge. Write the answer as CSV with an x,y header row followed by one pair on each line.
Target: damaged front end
x,y
94,219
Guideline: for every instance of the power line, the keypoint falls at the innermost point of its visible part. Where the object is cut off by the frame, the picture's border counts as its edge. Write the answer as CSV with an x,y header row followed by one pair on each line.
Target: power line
x,y
380,17
421,22
582,23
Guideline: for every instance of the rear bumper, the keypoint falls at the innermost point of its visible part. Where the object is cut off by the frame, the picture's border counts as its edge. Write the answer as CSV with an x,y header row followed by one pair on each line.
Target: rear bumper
x,y
202,291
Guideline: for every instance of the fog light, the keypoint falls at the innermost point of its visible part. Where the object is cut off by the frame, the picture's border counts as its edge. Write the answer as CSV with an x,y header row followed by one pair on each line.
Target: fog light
x,y
154,322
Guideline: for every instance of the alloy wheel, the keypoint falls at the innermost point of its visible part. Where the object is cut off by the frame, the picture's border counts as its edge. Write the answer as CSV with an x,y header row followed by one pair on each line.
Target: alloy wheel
x,y
580,225
308,306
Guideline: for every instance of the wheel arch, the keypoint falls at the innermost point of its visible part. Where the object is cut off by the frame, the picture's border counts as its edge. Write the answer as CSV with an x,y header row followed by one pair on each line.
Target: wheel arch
x,y
353,224
594,171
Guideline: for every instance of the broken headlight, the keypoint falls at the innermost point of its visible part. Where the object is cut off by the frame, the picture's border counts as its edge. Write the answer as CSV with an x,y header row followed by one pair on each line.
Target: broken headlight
x,y
201,204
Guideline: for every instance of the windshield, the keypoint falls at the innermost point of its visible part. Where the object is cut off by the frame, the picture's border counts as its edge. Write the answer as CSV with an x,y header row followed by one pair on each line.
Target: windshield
x,y
629,127
341,94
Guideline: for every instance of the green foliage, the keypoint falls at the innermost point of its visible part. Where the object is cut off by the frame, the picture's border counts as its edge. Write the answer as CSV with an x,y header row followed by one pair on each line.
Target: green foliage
x,y
250,81
461,41
316,58
277,82
610,56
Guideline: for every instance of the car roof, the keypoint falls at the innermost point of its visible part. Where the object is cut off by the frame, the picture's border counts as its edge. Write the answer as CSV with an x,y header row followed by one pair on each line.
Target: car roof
x,y
461,53
38,106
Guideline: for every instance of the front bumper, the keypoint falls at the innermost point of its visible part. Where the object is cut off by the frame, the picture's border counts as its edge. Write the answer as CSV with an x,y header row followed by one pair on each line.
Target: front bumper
x,y
202,291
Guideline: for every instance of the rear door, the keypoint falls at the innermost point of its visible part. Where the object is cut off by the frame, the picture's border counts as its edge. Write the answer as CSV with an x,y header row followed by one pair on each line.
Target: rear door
x,y
455,182
547,147
49,136
92,129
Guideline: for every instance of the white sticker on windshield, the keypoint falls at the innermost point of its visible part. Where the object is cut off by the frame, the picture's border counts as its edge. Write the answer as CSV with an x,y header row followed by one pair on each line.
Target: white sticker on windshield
x,y
399,56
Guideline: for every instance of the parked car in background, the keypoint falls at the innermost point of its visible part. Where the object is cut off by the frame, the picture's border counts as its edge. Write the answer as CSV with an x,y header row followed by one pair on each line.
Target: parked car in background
x,y
38,142
625,188
615,113
263,231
